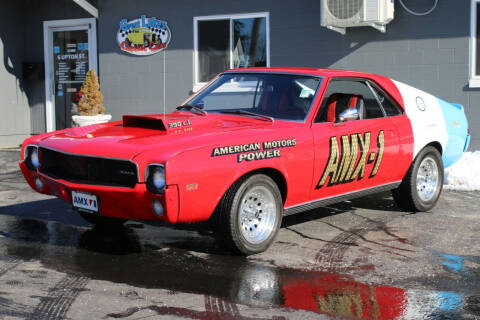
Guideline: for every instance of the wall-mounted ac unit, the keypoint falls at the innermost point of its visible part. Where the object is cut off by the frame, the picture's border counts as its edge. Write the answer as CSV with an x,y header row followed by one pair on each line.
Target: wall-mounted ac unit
x,y
340,14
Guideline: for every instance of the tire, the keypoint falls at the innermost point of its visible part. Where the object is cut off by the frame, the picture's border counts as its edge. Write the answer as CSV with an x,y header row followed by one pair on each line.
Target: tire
x,y
421,187
248,217
102,221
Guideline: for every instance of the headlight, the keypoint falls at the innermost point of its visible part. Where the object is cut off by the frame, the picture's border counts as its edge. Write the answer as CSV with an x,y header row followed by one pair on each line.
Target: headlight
x,y
31,158
155,178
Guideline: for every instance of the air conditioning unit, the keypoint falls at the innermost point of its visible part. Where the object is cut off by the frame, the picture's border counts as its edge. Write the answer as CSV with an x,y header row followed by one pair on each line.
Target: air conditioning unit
x,y
340,14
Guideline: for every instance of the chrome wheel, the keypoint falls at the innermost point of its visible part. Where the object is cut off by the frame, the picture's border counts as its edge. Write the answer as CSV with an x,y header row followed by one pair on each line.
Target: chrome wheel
x,y
427,179
258,214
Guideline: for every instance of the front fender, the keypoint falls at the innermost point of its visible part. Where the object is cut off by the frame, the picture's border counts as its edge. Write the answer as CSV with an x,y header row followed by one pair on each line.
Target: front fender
x,y
35,140
202,179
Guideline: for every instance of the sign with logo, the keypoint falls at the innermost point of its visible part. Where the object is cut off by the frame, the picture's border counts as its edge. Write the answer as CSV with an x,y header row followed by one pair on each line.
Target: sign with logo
x,y
143,36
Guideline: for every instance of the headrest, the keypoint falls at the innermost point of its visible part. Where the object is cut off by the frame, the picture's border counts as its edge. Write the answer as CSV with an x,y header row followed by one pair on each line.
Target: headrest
x,y
356,101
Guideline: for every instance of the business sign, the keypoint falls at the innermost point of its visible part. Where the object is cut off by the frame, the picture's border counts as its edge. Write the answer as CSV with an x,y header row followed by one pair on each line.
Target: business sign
x,y
143,36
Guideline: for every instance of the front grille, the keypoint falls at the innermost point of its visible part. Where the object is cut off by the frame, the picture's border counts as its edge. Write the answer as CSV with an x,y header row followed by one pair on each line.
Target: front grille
x,y
88,170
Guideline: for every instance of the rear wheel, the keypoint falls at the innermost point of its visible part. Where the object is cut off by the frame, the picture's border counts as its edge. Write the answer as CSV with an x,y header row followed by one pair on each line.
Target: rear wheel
x,y
249,215
102,221
422,185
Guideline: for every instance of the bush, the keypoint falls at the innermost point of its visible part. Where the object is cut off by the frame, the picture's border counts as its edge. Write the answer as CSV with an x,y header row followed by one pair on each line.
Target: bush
x,y
90,103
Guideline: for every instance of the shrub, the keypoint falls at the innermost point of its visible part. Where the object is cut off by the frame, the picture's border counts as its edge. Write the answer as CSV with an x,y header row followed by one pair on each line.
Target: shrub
x,y
90,103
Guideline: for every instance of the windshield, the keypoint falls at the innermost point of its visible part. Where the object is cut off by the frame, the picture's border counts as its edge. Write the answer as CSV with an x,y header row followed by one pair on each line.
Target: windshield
x,y
280,96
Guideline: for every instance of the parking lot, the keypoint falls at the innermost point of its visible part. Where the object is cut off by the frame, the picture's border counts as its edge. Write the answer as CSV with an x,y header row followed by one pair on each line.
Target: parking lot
x,y
357,259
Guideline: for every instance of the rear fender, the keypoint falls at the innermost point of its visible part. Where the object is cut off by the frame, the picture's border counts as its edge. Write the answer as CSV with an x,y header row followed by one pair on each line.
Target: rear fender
x,y
434,120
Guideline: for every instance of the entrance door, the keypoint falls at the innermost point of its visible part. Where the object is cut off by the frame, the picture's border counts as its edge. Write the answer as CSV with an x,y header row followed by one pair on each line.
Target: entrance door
x,y
70,51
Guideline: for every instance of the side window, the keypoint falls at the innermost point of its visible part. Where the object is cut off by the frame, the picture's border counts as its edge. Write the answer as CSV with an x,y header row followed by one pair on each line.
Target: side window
x,y
390,107
344,94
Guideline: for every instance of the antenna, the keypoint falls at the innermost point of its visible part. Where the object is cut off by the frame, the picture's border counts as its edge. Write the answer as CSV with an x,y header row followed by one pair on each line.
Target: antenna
x,y
164,72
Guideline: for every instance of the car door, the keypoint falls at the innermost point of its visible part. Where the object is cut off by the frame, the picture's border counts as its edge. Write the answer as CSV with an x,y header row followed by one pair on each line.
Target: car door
x,y
354,154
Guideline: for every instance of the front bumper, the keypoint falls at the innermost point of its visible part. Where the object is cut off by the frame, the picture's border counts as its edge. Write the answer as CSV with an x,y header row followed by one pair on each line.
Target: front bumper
x,y
117,202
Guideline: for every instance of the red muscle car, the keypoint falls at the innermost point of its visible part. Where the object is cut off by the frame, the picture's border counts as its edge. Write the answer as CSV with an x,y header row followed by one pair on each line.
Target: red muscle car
x,y
252,146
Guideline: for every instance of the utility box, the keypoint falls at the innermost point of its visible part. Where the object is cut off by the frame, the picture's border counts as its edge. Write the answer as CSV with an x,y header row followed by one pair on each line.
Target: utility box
x,y
340,14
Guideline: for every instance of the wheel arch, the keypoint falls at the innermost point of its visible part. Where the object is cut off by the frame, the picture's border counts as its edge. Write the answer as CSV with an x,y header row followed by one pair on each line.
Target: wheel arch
x,y
437,145
276,176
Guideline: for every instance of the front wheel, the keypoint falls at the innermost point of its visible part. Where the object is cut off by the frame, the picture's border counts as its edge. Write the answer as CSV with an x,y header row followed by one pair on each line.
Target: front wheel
x,y
422,185
249,215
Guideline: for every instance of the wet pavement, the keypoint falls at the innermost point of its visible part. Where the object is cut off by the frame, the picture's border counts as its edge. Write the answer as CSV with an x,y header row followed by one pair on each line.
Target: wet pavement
x,y
362,259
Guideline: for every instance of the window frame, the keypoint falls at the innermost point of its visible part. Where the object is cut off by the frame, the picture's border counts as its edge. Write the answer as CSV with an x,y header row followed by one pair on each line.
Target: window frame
x,y
474,80
197,84
371,85
374,86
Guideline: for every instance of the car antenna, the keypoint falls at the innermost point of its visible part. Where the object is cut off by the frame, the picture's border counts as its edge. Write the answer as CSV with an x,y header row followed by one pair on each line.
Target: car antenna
x,y
164,72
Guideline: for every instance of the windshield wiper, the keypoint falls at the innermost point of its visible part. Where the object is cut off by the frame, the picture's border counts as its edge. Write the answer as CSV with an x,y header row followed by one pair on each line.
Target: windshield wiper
x,y
248,113
192,109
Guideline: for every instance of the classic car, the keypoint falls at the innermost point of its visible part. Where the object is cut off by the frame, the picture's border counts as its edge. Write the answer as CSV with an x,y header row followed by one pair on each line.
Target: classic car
x,y
142,36
253,146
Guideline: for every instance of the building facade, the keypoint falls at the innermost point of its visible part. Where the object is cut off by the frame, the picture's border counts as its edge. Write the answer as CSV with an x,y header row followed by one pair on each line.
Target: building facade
x,y
47,46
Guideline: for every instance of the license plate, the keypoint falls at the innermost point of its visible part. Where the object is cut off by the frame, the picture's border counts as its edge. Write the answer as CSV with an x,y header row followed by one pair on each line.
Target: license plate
x,y
85,201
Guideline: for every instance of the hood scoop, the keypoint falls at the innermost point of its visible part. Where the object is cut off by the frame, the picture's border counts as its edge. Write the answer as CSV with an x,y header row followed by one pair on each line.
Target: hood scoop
x,y
145,122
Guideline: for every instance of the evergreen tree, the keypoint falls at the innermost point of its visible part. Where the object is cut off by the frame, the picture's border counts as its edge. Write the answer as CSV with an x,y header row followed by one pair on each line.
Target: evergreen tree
x,y
90,103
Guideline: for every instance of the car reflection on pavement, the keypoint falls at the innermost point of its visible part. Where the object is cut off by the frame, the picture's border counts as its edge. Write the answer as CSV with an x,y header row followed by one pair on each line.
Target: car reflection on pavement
x,y
122,256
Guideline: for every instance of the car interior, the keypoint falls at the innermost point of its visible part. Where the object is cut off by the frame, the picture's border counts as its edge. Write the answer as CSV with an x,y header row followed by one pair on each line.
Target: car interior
x,y
340,102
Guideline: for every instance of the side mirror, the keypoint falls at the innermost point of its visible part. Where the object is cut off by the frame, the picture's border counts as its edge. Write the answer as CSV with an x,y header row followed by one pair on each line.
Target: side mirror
x,y
349,114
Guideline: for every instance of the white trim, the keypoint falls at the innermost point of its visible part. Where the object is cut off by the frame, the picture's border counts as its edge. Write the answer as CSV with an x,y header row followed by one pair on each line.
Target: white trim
x,y
197,85
87,7
233,16
474,81
195,56
89,24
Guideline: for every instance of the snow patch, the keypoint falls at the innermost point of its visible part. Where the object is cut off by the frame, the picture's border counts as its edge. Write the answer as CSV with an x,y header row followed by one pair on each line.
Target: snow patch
x,y
464,174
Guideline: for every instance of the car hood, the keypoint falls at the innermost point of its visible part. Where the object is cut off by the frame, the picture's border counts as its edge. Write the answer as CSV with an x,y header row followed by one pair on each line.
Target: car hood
x,y
173,133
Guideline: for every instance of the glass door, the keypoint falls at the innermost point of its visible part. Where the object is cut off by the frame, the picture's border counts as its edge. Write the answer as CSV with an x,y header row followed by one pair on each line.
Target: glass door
x,y
70,53
70,65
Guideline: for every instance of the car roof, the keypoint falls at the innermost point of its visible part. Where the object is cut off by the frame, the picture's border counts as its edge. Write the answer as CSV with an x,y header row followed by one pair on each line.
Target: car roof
x,y
303,70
